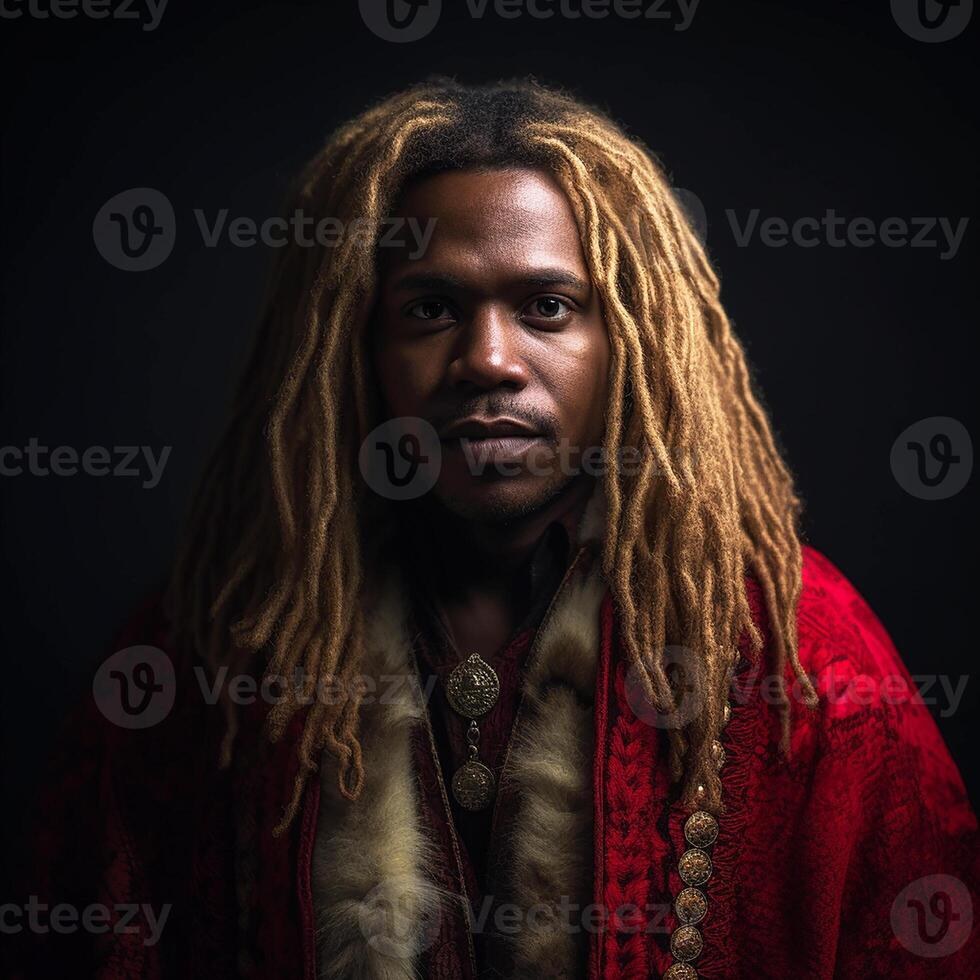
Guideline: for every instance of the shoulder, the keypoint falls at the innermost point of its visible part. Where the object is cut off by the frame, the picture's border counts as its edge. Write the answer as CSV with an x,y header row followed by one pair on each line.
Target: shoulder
x,y
871,709
867,799
835,625
837,631
850,661
142,718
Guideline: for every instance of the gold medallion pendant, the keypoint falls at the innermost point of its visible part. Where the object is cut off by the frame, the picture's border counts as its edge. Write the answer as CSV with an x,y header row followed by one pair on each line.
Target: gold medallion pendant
x,y
472,689
473,785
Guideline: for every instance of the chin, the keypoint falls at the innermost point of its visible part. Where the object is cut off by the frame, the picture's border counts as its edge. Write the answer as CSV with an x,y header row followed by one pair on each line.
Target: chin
x,y
499,501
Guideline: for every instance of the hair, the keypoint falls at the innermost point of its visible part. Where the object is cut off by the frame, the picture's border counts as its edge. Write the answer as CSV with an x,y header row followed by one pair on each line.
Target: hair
x,y
275,562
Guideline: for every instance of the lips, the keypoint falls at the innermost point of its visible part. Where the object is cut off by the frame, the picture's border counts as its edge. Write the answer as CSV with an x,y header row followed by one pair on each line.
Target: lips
x,y
474,428
490,442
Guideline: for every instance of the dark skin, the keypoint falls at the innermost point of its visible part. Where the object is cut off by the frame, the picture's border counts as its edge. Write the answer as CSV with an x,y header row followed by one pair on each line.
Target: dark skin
x,y
495,336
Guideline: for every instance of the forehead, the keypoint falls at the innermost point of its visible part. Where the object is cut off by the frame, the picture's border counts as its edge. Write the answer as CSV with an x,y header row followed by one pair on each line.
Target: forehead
x,y
499,220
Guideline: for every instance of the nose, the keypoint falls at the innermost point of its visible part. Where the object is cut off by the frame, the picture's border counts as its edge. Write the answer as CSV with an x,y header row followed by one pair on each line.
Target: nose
x,y
489,353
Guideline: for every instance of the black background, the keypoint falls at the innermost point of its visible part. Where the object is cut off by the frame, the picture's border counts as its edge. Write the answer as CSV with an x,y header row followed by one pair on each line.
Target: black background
x,y
791,108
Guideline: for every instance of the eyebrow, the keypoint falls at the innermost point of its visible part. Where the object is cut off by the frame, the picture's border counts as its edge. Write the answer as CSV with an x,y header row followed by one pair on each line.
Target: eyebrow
x,y
441,281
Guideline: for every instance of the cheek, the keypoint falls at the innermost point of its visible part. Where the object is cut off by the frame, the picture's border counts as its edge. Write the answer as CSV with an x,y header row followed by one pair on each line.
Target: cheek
x,y
406,380
580,383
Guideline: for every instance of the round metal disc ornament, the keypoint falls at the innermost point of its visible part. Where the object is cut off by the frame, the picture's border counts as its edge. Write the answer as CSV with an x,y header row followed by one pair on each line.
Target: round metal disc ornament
x,y
473,687
473,785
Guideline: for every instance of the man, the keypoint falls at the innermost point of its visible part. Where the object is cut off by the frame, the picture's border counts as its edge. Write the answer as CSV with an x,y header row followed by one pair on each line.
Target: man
x,y
585,706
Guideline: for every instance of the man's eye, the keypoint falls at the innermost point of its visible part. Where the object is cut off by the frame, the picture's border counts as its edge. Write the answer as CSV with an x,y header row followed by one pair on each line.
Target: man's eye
x,y
430,309
549,308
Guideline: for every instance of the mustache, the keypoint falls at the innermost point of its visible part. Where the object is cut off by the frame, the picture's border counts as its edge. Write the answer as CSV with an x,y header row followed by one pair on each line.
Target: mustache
x,y
494,406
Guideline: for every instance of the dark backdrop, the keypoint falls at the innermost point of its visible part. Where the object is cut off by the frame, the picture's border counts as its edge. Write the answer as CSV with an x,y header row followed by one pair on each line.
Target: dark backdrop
x,y
790,108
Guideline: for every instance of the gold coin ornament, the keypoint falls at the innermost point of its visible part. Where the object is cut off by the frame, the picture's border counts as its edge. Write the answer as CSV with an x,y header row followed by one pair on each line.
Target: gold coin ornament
x,y
473,687
686,943
473,785
681,971
694,867
690,906
700,829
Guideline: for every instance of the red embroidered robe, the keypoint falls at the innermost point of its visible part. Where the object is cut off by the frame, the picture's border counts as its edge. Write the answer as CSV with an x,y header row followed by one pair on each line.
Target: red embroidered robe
x,y
856,857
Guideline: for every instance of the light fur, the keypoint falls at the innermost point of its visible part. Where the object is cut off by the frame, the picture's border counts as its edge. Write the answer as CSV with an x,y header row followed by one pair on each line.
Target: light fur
x,y
551,764
375,908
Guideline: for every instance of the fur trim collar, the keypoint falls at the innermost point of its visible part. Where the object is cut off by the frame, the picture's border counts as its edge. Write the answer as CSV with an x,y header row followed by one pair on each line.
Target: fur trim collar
x,y
375,904
369,888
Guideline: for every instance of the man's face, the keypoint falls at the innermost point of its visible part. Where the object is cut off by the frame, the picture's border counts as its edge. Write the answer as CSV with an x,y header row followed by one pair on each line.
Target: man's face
x,y
494,335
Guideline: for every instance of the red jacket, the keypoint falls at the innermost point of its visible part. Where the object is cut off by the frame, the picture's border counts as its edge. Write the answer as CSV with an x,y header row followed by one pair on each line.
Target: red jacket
x,y
855,857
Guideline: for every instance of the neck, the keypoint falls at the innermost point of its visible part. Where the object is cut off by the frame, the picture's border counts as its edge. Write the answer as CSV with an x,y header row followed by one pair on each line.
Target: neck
x,y
468,552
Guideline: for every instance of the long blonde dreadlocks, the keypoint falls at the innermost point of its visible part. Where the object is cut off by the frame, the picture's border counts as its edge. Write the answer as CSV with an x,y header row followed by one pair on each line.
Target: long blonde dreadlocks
x,y
274,565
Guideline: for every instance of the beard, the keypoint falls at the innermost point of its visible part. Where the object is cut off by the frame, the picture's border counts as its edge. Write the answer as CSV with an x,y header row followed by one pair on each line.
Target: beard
x,y
502,501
